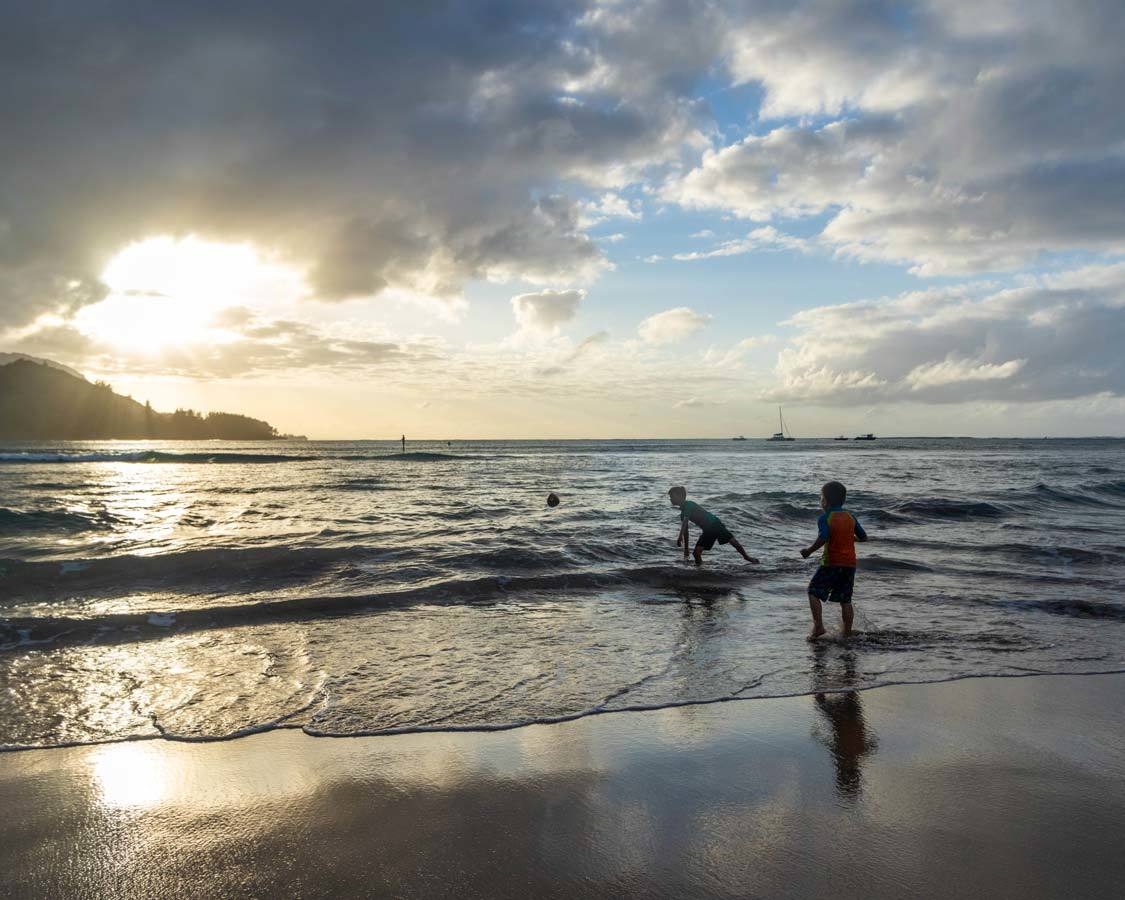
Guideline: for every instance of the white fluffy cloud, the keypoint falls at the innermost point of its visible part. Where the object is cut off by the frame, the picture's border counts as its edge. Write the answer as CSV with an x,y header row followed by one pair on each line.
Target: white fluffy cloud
x,y
1050,339
963,137
952,370
546,311
672,325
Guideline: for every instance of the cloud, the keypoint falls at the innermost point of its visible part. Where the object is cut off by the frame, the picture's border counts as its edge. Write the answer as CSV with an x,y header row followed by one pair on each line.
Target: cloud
x,y
957,142
252,347
546,311
952,371
672,325
608,206
764,238
411,147
734,356
567,361
1052,338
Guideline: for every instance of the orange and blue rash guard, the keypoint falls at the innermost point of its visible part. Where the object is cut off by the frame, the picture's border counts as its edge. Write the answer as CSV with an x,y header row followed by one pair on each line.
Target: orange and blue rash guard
x,y
839,528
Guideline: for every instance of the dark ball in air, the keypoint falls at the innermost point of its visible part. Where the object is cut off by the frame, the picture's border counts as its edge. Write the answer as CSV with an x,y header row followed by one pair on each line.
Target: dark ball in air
x,y
552,499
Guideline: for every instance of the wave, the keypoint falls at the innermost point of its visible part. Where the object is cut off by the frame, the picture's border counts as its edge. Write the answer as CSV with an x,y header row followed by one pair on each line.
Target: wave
x,y
251,568
1051,554
1116,488
13,521
149,456
319,699
885,564
126,627
790,512
416,457
1069,608
944,508
1075,498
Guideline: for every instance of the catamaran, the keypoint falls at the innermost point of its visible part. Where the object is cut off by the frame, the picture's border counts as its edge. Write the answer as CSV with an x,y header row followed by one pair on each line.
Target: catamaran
x,y
780,435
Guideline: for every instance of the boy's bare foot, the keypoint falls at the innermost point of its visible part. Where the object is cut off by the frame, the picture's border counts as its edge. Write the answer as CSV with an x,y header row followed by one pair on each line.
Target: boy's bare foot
x,y
754,560
817,632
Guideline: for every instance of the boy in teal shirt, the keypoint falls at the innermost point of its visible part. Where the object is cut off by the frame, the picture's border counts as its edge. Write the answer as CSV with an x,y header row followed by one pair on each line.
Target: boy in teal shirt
x,y
713,529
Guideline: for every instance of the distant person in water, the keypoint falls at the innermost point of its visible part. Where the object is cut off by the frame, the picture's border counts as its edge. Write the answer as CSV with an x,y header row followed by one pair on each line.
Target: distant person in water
x,y
838,530
713,529
404,443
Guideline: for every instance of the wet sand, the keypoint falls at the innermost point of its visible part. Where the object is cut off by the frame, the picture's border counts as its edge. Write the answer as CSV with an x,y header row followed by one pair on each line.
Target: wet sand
x,y
987,787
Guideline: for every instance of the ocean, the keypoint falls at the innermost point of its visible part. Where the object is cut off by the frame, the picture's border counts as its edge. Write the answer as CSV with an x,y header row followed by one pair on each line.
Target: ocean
x,y
205,591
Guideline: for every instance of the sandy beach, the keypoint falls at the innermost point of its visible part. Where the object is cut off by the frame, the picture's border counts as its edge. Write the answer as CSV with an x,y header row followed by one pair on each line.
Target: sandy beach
x,y
1008,787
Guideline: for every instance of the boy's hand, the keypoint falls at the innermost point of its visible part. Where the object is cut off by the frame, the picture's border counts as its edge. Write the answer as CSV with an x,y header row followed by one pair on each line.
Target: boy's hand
x,y
805,551
679,539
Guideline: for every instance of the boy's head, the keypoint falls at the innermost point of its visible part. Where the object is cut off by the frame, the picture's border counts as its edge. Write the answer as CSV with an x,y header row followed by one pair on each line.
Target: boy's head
x,y
833,494
677,495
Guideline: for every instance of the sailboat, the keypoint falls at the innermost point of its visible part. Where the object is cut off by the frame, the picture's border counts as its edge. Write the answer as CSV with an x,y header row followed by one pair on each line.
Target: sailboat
x,y
780,435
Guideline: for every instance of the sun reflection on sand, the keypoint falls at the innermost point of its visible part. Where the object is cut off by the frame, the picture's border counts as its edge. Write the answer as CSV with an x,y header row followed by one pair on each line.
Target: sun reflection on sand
x,y
132,774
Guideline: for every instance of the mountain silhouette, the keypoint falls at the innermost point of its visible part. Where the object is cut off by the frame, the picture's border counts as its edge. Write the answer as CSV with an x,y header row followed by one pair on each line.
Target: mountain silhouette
x,y
40,400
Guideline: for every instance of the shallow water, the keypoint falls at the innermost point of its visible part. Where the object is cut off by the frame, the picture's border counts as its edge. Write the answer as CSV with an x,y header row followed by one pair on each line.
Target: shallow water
x,y
204,590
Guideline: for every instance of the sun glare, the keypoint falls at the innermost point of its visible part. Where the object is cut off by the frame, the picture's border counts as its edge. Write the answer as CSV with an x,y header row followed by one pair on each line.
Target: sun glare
x,y
166,292
130,774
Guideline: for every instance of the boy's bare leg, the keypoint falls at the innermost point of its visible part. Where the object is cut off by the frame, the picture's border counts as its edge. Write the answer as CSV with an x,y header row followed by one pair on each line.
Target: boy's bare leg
x,y
848,612
737,546
698,552
817,618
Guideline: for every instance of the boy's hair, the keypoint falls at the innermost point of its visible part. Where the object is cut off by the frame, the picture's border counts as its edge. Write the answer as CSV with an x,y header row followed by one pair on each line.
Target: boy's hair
x,y
835,493
678,494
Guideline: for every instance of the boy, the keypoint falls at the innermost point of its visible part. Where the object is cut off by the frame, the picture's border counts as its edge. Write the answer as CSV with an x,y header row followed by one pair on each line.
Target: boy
x,y
713,529
833,581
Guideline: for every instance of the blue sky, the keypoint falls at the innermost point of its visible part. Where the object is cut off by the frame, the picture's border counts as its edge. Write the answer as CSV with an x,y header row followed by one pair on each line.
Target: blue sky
x,y
576,219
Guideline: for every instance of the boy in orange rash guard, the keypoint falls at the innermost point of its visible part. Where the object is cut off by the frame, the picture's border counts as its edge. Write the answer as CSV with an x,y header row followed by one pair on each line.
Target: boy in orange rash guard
x,y
838,531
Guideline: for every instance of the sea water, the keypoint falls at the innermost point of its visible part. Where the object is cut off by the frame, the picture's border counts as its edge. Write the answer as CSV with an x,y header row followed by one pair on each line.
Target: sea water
x,y
201,591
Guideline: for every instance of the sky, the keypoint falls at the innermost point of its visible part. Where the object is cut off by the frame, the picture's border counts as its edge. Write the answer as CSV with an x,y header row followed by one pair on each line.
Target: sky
x,y
626,218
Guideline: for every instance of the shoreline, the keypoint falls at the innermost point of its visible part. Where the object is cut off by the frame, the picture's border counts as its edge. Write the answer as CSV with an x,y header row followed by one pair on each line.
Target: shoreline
x,y
1008,786
283,725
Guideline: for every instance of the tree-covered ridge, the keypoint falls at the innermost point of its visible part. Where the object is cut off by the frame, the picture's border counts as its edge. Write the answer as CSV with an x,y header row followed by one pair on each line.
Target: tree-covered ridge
x,y
39,402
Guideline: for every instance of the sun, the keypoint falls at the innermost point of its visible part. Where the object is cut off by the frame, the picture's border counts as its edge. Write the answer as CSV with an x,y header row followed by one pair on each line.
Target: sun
x,y
168,292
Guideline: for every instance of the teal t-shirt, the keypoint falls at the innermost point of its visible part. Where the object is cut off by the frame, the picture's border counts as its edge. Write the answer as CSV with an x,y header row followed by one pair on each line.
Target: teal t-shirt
x,y
695,513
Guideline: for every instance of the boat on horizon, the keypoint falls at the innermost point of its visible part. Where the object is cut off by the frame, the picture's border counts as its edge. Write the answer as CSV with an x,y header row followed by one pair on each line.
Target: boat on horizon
x,y
840,438
739,438
780,435
865,437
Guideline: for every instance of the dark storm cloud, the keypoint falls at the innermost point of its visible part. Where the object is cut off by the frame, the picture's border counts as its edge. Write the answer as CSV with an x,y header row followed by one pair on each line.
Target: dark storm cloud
x,y
382,144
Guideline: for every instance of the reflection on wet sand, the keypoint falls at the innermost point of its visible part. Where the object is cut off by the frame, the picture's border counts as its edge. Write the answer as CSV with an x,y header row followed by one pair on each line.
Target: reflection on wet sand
x,y
722,800
848,737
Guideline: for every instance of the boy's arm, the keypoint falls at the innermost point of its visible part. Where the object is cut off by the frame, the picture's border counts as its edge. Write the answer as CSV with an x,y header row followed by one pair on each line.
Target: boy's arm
x,y
821,537
813,547
683,537
860,534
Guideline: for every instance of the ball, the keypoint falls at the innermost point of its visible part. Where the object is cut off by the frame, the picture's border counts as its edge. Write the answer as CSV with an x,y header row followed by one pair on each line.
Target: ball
x,y
552,499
